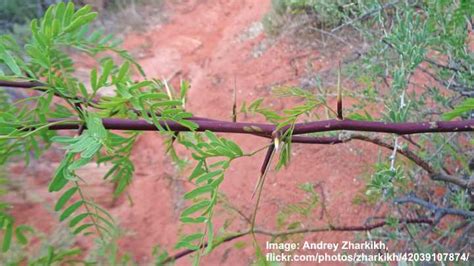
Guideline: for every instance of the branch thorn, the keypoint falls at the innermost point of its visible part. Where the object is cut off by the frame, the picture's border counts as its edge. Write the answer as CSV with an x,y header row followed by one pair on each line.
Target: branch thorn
x,y
339,94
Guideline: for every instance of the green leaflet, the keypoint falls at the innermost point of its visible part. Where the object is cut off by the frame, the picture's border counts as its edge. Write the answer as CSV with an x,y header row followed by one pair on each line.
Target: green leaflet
x,y
91,149
38,56
210,237
186,241
216,182
208,176
190,220
72,208
78,164
198,170
89,143
189,124
82,228
10,61
461,109
74,221
196,207
234,148
63,139
64,198
59,179
95,127
82,143
7,236
123,178
106,69
80,21
20,233
199,191
123,73
93,80
216,147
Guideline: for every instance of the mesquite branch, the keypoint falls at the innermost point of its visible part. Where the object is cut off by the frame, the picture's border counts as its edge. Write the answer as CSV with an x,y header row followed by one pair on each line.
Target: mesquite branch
x,y
266,130
299,128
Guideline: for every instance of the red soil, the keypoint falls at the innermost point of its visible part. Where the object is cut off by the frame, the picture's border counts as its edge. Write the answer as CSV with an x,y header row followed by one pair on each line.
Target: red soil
x,y
209,44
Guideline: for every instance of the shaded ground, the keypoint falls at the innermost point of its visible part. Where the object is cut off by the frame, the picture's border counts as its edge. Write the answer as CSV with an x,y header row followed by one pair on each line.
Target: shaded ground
x,y
211,44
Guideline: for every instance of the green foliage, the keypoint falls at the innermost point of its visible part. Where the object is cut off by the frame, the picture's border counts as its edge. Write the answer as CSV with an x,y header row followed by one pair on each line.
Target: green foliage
x,y
285,120
207,179
461,201
385,181
44,57
122,169
466,107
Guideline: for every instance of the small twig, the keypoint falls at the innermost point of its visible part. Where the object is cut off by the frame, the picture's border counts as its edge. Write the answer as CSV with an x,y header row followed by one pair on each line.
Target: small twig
x,y
439,212
323,200
341,228
350,45
328,228
190,251
409,139
434,175
450,84
365,16
434,63
239,212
